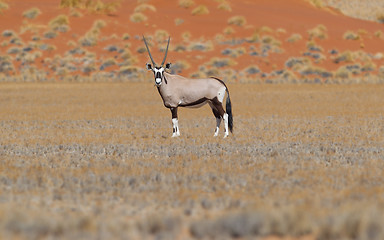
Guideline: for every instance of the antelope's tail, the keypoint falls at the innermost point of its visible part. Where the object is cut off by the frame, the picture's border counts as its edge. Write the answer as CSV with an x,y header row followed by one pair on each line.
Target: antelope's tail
x,y
228,109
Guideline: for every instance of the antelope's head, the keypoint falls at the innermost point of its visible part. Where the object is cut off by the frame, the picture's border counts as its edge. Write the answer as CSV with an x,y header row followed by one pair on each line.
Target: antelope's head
x,y
158,71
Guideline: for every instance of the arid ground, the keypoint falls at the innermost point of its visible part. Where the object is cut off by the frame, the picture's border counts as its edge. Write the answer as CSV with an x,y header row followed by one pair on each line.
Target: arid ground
x,y
97,160
85,146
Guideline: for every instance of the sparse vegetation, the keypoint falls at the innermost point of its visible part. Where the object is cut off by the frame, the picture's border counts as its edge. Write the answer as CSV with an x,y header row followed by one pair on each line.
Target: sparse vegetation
x,y
237,20
3,6
350,35
138,17
200,10
225,5
186,3
96,6
32,13
320,32
294,38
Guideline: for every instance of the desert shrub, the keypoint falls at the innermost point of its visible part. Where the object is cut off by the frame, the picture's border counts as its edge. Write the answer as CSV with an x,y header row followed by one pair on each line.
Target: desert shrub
x,y
178,21
161,35
381,71
313,70
229,30
264,29
237,20
91,37
14,50
3,6
8,33
96,6
75,13
186,3
346,56
31,13
270,40
369,67
379,34
380,17
350,35
145,7
251,70
200,10
138,17
343,72
179,67
6,64
225,5
318,32
201,46
50,34
59,23
296,63
221,62
180,48
107,63
126,36
294,38
186,36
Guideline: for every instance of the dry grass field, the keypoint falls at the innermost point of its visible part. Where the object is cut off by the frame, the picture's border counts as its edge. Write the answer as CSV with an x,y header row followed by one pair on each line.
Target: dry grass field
x,y
96,161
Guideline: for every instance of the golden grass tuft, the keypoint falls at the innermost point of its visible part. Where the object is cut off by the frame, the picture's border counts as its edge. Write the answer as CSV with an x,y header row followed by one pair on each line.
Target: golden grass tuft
x,y
225,6
31,13
145,7
295,37
186,3
316,3
351,35
200,10
237,20
3,6
138,17
320,32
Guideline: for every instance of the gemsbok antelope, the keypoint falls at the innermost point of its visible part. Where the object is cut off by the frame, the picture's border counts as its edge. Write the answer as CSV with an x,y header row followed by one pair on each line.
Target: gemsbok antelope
x,y
177,91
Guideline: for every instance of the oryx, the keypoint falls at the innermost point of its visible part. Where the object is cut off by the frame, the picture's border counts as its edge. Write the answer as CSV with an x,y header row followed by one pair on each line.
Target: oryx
x,y
177,91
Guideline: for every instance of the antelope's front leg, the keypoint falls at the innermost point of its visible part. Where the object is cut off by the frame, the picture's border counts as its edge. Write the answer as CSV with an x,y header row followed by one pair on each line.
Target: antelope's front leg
x,y
175,123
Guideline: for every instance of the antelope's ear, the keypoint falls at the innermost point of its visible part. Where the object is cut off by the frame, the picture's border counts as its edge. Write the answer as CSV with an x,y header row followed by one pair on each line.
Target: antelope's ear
x,y
149,66
168,66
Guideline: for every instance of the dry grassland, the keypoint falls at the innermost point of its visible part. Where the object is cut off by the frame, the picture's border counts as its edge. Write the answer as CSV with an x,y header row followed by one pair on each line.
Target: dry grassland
x,y
88,161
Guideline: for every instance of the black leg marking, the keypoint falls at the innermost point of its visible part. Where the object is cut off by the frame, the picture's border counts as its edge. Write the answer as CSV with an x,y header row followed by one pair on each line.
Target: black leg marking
x,y
174,112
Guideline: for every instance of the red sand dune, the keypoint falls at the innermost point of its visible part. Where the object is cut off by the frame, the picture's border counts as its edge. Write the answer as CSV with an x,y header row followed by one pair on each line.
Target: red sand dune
x,y
293,16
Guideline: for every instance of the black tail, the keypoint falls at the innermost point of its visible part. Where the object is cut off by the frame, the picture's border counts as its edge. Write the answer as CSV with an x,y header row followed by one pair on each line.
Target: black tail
x,y
228,109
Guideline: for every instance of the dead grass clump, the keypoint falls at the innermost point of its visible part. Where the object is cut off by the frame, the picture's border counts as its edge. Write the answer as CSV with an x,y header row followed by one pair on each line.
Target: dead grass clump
x,y
225,6
297,63
50,34
346,56
351,35
294,38
179,66
32,13
179,21
145,7
97,6
59,23
229,31
161,36
3,6
320,32
201,46
252,70
91,37
186,3
221,62
8,33
138,17
369,66
200,10
237,20
380,17
6,64
343,72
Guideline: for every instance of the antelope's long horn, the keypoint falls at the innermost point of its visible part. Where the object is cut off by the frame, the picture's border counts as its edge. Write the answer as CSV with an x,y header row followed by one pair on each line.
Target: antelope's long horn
x,y
146,45
166,51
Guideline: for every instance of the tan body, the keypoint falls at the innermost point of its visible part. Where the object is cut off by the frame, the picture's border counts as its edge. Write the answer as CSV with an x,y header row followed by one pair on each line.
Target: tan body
x,y
177,91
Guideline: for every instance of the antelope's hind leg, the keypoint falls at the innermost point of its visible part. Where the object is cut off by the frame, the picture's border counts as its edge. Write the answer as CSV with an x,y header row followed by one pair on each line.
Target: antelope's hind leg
x,y
219,113
218,119
175,122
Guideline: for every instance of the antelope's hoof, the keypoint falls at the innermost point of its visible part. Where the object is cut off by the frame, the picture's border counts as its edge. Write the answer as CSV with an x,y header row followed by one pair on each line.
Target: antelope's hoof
x,y
175,135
